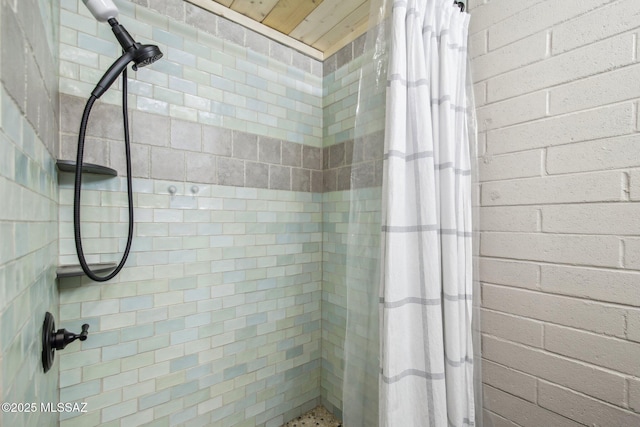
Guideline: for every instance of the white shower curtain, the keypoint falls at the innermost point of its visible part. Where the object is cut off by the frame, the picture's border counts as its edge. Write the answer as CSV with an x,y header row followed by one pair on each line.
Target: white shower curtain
x,y
426,267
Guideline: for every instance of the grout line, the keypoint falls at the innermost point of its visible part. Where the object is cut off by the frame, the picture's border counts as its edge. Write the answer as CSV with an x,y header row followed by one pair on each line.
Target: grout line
x,y
548,103
486,93
625,388
626,325
549,44
486,41
626,187
539,220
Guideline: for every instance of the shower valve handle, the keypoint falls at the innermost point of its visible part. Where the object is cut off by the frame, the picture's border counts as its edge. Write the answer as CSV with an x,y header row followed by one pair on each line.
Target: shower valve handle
x,y
63,337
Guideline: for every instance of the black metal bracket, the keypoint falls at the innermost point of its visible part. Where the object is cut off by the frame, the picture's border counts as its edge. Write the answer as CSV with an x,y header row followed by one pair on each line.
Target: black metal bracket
x,y
460,4
53,340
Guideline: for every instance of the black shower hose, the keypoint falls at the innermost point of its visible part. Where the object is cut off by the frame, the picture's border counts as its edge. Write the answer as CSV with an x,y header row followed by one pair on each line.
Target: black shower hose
x,y
78,185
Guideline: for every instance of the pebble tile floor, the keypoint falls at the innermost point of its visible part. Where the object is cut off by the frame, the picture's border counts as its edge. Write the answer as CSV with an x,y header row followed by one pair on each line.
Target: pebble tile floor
x,y
317,417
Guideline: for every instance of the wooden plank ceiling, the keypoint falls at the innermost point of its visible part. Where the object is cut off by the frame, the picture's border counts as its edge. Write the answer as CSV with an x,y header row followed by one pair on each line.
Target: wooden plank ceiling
x,y
324,25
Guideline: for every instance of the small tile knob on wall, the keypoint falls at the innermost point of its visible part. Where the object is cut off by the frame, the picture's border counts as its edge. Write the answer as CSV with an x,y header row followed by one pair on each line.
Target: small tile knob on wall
x,y
53,340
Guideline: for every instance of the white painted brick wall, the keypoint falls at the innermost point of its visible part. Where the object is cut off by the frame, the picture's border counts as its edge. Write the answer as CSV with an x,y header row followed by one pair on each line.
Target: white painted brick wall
x,y
592,218
509,218
608,153
522,164
616,286
602,251
614,18
583,62
602,89
539,17
510,380
575,188
513,111
613,353
575,312
558,130
578,376
514,328
633,325
493,12
524,413
634,394
510,57
583,409
632,253
557,87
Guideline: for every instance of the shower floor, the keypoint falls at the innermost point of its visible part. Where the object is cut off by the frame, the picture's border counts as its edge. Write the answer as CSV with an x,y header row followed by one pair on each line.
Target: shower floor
x,y
317,417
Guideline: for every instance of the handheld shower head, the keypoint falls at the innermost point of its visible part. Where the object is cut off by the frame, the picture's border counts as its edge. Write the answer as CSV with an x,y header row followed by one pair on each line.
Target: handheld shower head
x,y
141,55
146,54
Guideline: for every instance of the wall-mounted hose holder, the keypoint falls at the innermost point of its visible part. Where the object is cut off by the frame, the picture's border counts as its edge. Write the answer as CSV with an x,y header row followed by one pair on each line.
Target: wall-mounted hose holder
x,y
53,340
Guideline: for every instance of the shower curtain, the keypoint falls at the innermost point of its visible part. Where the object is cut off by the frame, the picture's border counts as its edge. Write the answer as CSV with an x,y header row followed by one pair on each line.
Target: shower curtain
x,y
426,278
423,270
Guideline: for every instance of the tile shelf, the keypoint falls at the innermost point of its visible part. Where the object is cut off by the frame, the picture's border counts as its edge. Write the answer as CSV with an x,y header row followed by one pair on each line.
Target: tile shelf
x,y
76,271
70,166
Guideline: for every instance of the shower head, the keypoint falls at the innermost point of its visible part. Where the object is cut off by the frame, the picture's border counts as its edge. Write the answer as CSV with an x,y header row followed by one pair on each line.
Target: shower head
x,y
145,54
107,11
140,54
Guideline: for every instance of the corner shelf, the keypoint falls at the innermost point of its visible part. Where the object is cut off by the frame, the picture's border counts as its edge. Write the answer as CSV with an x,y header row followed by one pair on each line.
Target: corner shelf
x,y
64,271
70,166
76,271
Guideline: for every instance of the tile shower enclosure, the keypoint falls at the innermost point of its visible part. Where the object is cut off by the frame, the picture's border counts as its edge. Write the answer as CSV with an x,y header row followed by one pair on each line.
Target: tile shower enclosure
x,y
217,317
232,308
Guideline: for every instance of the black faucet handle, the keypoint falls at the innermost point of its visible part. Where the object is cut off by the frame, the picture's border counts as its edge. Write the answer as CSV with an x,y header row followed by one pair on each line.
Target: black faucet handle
x,y
53,340
84,333
62,337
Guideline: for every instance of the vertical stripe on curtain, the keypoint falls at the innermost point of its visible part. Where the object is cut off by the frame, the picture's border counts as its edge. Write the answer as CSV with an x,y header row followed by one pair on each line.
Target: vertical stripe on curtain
x,y
426,278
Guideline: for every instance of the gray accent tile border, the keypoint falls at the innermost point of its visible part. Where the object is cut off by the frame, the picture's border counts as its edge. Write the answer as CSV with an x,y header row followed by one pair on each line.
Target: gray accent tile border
x,y
174,149
344,56
181,150
350,165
